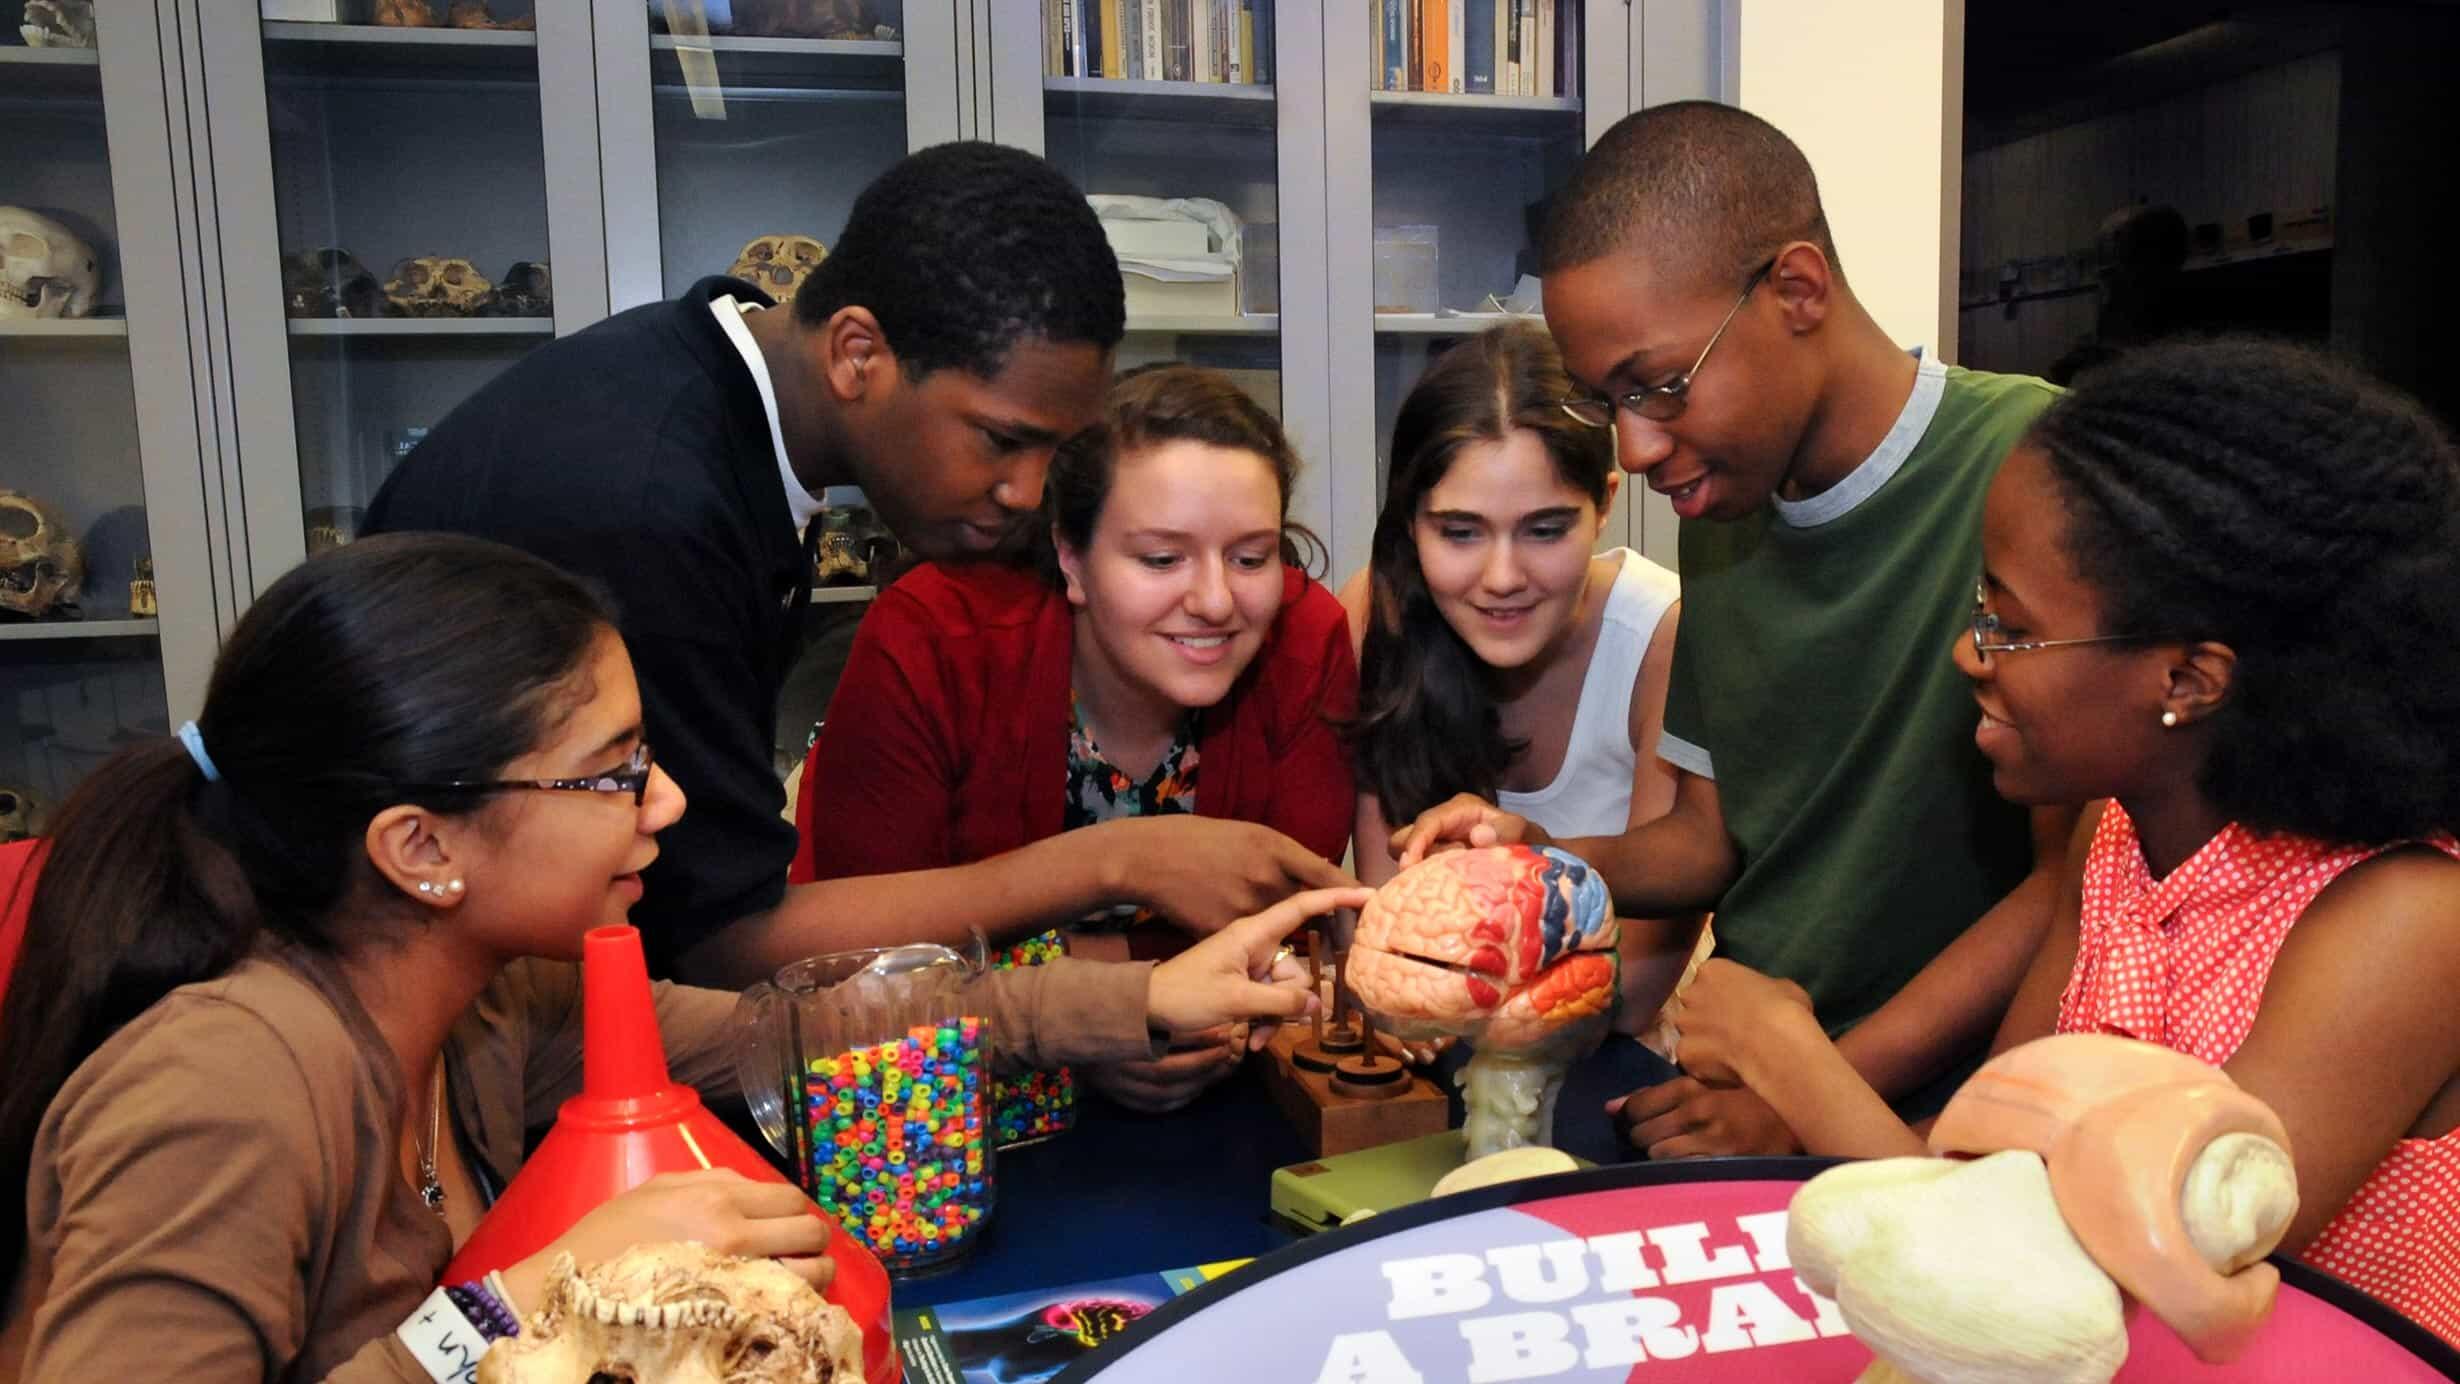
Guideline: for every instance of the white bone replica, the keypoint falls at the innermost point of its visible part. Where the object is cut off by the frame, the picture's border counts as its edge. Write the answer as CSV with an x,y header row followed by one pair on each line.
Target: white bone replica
x,y
1510,947
45,270
58,24
679,1314
2114,1167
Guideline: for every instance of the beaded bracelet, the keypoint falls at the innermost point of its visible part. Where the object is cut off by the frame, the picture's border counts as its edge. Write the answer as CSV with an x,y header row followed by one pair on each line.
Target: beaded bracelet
x,y
485,1304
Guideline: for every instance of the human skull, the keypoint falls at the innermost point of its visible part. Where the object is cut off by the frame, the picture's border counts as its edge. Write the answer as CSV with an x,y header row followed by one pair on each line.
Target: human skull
x,y
44,270
432,287
526,290
778,264
329,283
1511,947
142,603
58,24
837,560
679,1314
18,809
41,566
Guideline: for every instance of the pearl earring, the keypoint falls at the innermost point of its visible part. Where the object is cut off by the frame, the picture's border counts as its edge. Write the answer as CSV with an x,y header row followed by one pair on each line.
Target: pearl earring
x,y
2169,720
452,886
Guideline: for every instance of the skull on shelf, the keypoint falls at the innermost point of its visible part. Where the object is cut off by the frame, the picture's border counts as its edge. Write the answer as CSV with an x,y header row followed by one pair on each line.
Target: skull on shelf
x,y
432,287
41,565
142,603
18,809
680,1313
810,19
405,14
526,290
329,283
58,24
837,562
333,526
472,14
44,270
778,264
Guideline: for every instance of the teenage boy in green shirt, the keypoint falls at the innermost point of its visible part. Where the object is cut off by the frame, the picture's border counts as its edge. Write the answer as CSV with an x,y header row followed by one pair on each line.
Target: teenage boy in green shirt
x,y
1832,808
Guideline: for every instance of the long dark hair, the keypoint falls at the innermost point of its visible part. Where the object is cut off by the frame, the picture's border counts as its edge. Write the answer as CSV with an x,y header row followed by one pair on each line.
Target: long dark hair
x,y
1165,403
1427,725
398,659
2265,496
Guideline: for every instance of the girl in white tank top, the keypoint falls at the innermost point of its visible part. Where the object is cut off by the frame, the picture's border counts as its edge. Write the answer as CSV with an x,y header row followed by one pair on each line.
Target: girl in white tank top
x,y
1500,655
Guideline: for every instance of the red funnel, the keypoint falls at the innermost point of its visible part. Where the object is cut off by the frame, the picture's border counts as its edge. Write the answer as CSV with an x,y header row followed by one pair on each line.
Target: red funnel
x,y
631,1123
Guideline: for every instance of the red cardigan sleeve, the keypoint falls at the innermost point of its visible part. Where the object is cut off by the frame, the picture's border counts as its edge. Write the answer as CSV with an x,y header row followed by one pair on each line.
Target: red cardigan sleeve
x,y
1311,798
885,764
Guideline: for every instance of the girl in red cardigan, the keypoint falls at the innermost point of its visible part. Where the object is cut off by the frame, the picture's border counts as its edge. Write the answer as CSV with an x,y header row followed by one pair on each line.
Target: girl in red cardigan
x,y
1165,691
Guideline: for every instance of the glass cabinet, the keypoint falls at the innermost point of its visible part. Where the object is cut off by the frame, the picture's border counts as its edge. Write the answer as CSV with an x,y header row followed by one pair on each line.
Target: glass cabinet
x,y
1168,114
410,224
80,654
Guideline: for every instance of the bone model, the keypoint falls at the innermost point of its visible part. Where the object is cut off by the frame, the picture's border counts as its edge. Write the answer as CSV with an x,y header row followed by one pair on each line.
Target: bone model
x,y
1509,947
2114,1169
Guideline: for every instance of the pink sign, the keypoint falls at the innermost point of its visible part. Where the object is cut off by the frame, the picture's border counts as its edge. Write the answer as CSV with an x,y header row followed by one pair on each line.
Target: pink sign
x,y
1649,1273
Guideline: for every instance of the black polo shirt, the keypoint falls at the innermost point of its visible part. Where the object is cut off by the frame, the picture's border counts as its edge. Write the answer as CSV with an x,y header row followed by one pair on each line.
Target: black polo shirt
x,y
636,453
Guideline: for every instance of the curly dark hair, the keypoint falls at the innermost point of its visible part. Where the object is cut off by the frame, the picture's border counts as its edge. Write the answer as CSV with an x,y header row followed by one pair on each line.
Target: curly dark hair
x,y
2262,495
962,250
1427,725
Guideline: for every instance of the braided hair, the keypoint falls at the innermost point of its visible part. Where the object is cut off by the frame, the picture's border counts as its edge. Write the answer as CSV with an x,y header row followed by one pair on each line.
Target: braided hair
x,y
2264,496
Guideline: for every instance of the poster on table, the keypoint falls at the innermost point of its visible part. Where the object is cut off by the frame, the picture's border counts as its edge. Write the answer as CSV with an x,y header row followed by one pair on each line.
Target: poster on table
x,y
1649,1272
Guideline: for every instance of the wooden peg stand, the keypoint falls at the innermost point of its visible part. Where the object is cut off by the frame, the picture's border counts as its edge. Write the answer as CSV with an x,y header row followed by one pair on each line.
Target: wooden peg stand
x,y
1342,1085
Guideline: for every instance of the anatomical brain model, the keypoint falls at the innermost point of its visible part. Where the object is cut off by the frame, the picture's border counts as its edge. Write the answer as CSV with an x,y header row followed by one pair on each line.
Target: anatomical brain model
x,y
2111,1167
1510,947
679,1314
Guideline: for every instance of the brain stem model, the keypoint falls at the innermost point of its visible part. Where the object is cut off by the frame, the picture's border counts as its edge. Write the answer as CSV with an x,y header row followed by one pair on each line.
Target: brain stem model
x,y
1509,947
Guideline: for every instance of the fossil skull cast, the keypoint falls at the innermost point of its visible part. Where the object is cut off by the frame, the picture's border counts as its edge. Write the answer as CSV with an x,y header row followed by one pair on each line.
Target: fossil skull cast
x,y
432,287
41,566
1510,947
44,270
18,809
2113,1169
679,1314
526,290
329,283
778,264
58,24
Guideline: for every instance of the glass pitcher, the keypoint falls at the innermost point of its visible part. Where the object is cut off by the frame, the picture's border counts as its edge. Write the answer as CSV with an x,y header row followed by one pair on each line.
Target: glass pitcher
x,y
871,1071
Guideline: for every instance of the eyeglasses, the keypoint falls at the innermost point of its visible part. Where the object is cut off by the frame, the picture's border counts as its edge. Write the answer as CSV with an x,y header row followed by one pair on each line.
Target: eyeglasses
x,y
632,777
1660,402
1990,637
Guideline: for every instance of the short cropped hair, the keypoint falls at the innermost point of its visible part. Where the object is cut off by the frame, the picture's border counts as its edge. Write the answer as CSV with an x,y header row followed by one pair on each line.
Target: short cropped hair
x,y
962,250
1707,190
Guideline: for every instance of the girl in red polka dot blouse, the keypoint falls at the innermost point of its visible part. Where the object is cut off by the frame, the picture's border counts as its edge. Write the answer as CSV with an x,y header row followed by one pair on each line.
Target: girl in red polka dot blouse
x,y
2221,602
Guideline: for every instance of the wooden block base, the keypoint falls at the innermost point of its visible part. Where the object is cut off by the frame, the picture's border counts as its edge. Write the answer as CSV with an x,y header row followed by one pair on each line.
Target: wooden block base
x,y
1363,1101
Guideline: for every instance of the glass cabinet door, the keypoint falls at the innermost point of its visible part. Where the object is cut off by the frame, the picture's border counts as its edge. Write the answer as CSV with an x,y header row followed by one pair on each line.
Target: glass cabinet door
x,y
769,121
81,667
1476,118
1166,112
411,221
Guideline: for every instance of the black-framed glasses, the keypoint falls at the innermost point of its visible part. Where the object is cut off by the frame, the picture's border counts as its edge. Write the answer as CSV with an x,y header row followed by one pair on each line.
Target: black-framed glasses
x,y
1660,403
632,777
1990,637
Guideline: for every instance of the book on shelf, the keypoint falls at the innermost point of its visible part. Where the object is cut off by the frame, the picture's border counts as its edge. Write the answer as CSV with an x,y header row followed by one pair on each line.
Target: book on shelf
x,y
1225,42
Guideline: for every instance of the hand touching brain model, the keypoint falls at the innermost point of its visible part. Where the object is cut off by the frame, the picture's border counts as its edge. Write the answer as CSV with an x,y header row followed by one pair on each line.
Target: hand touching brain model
x,y
1510,947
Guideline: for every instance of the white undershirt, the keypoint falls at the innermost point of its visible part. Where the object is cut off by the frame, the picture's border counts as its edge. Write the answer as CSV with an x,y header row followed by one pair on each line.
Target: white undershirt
x,y
729,314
